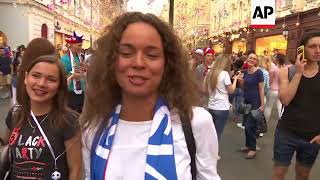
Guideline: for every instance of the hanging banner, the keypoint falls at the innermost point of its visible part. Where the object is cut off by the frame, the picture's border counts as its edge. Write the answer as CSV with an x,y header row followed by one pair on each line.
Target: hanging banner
x,y
263,14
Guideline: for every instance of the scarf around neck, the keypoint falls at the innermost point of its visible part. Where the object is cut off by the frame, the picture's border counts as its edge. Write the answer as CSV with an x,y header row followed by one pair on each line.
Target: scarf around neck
x,y
76,84
160,162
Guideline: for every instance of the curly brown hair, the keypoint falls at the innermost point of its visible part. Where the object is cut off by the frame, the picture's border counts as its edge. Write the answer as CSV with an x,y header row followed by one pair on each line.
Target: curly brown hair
x,y
177,87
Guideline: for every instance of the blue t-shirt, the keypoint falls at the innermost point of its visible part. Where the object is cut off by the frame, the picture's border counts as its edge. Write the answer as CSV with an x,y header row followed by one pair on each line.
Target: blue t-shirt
x,y
5,63
251,88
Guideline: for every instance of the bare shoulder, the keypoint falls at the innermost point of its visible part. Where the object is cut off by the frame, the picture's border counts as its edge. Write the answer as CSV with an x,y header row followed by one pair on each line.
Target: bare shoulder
x,y
284,73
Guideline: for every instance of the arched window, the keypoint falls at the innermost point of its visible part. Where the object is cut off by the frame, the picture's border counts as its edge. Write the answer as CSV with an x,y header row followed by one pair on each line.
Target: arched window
x,y
44,31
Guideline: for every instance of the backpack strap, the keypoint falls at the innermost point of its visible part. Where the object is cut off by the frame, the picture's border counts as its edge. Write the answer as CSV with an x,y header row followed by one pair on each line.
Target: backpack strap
x,y
188,134
291,73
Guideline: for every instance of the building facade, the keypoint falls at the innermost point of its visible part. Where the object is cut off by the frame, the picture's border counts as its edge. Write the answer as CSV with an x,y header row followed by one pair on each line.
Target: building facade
x,y
23,20
225,25
192,22
294,18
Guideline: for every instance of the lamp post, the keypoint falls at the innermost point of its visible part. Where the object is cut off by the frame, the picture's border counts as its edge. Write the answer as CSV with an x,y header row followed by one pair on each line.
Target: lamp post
x,y
285,33
91,18
171,12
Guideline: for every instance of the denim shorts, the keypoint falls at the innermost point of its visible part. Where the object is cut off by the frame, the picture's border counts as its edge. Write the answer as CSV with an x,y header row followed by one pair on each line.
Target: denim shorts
x,y
286,144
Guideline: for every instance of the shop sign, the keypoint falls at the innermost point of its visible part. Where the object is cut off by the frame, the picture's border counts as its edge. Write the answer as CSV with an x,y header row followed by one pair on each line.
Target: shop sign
x,y
263,14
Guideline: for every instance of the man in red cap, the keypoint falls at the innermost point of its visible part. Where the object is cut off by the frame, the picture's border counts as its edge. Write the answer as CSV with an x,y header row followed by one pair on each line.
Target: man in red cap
x,y
208,59
74,68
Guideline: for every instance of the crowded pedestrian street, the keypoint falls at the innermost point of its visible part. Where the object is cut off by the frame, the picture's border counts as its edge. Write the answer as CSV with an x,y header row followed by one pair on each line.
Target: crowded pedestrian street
x,y
232,166
159,89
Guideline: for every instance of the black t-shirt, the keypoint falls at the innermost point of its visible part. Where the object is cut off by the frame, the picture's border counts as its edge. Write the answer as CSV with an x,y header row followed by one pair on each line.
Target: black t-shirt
x,y
31,157
301,116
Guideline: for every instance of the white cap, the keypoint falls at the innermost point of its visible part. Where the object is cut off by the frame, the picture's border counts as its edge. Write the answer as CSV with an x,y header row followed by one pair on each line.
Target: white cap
x,y
199,51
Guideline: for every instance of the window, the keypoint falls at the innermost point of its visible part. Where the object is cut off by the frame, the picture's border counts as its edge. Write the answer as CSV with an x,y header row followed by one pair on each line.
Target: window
x,y
44,31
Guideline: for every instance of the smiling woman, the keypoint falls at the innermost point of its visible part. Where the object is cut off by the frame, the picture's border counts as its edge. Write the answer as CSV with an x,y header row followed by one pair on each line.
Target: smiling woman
x,y
45,141
140,65
140,100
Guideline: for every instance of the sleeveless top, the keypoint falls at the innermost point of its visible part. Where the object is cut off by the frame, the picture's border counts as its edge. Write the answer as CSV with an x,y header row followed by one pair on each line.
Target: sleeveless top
x,y
301,116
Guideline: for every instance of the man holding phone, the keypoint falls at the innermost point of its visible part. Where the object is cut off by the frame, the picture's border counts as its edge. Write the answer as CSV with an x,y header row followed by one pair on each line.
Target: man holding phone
x,y
298,130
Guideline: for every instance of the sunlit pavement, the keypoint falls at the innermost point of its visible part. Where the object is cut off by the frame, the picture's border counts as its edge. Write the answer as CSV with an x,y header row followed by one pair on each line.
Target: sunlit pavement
x,y
4,108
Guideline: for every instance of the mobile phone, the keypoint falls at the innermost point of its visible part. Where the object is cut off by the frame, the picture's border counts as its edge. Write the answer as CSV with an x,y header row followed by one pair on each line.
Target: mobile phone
x,y
300,50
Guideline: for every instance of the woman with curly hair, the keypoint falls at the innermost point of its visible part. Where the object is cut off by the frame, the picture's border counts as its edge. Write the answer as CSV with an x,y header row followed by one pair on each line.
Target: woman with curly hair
x,y
139,100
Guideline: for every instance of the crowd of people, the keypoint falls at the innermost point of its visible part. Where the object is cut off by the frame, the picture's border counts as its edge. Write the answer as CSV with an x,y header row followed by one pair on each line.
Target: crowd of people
x,y
138,109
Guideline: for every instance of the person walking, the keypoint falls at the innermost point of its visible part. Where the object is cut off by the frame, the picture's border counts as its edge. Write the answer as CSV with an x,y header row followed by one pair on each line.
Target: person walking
x,y
272,95
74,67
298,130
218,86
253,88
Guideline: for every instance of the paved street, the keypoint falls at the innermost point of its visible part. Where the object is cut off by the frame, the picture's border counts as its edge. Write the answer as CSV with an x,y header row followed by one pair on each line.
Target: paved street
x,y
4,107
232,166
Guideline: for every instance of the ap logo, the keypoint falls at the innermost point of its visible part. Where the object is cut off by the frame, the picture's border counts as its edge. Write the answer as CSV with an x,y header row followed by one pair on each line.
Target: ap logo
x,y
263,14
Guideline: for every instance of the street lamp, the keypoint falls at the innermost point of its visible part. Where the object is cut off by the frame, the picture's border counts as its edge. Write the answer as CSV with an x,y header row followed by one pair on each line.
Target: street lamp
x,y
171,12
285,33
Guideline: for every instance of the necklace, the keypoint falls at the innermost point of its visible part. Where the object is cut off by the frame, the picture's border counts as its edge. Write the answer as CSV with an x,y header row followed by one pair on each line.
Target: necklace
x,y
56,174
313,73
34,127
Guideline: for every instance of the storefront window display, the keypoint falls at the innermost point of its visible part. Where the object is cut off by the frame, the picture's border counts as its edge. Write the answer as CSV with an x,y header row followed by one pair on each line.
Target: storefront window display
x,y
218,48
267,45
85,44
239,46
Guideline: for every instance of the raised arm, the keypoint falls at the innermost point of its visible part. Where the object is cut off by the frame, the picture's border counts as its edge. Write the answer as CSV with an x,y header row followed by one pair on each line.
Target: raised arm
x,y
288,90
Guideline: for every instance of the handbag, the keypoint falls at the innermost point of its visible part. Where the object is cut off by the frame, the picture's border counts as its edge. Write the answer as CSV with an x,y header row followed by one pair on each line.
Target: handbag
x,y
244,108
261,123
4,161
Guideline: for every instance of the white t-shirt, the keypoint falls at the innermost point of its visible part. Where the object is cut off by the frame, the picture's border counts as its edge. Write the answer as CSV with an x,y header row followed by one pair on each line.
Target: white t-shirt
x,y
128,156
219,98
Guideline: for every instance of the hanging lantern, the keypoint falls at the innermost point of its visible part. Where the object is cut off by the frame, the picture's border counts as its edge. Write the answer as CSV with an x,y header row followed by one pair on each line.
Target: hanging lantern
x,y
285,33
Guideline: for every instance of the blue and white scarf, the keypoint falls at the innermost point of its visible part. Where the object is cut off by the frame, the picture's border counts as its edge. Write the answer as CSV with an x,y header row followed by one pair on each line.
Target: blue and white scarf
x,y
160,162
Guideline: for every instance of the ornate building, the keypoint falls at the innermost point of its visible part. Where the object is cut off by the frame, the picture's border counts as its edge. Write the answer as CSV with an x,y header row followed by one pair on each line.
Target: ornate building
x,y
225,25
24,20
192,21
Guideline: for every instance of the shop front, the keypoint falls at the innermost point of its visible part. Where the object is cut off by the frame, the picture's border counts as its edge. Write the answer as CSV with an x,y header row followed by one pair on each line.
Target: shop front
x,y
85,44
218,48
270,44
286,35
58,39
239,46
